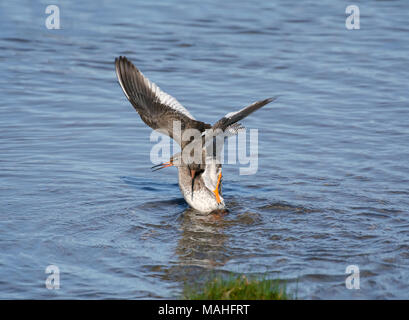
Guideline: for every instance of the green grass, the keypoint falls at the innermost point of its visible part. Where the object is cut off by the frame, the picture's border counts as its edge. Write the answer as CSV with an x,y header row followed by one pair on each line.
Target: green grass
x,y
237,288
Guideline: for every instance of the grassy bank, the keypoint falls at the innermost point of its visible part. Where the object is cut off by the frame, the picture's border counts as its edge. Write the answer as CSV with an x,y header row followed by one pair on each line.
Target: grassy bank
x,y
237,288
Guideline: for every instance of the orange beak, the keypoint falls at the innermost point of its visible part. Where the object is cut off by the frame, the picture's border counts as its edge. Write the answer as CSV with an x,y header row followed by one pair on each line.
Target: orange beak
x,y
162,165
216,191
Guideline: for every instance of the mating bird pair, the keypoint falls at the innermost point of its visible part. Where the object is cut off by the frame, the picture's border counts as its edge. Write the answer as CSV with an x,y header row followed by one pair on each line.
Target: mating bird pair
x,y
199,181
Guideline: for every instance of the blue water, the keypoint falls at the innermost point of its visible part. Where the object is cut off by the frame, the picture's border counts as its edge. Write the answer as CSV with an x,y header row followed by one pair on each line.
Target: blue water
x,y
76,190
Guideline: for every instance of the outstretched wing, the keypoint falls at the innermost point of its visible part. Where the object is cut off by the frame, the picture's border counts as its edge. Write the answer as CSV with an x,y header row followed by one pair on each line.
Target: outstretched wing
x,y
156,108
213,139
232,117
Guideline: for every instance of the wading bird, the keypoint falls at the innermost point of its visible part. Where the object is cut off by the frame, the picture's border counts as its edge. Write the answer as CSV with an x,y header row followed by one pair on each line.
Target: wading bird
x,y
199,179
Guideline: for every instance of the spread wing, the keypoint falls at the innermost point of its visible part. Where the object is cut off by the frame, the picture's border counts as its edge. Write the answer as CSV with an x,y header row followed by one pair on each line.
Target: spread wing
x,y
231,118
156,108
213,139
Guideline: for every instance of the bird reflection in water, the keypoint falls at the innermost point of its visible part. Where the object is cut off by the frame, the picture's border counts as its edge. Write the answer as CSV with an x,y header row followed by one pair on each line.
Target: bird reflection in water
x,y
203,239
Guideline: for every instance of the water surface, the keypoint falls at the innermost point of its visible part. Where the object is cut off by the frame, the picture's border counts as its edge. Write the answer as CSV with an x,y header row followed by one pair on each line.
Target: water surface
x,y
331,190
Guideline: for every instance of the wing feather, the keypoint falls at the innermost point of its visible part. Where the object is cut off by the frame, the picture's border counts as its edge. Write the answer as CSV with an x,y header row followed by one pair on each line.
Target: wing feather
x,y
156,108
232,117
